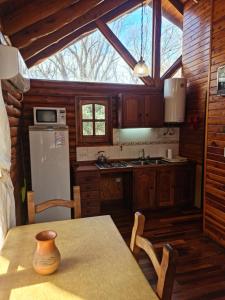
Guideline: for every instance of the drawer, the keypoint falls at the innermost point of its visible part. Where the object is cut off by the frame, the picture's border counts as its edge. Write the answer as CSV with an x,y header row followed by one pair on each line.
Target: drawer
x,y
89,195
89,187
90,177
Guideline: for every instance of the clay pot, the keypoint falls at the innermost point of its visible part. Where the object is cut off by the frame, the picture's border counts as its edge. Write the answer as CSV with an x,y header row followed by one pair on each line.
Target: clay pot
x,y
46,257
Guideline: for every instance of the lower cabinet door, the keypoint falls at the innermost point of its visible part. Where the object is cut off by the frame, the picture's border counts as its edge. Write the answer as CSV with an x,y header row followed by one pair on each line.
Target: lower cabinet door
x,y
165,186
144,188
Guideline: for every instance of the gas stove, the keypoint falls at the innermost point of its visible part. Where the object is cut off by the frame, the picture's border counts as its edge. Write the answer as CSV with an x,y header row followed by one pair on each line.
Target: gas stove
x,y
111,165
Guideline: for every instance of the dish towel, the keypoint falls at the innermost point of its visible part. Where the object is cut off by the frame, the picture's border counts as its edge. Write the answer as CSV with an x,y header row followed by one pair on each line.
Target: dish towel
x,y
7,201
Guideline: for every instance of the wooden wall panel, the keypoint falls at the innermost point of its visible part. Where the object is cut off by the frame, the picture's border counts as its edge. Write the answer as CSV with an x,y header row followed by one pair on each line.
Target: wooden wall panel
x,y
196,56
13,107
214,210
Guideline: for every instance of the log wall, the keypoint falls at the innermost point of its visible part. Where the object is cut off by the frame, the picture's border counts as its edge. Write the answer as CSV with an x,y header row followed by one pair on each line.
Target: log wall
x,y
196,57
14,106
214,210
196,48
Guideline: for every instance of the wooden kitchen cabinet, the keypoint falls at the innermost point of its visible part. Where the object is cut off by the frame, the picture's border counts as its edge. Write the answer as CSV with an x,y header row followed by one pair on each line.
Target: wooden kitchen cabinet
x,y
144,188
165,186
130,111
89,182
154,111
141,111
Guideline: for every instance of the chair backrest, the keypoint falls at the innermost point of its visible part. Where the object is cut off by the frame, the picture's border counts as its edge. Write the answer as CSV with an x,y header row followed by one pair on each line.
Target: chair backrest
x,y
165,269
34,209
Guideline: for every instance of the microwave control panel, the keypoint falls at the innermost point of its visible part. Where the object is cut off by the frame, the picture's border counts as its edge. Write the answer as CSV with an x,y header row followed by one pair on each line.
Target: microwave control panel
x,y
62,116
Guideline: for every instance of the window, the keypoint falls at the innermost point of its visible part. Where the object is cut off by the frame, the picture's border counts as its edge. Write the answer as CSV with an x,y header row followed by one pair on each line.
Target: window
x,y
90,59
93,116
171,44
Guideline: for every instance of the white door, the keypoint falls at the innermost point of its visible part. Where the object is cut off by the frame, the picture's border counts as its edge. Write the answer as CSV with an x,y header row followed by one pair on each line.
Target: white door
x,y
50,171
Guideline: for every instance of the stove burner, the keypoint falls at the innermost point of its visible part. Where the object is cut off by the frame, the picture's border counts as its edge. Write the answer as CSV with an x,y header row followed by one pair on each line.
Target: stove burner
x,y
118,164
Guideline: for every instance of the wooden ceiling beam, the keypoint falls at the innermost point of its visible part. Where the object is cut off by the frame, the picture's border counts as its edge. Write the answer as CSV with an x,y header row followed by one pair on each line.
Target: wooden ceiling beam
x,y
60,45
52,23
106,7
32,13
173,69
119,47
178,5
156,40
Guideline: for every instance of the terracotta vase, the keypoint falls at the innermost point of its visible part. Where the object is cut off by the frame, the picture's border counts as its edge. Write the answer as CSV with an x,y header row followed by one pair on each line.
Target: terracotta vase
x,y
46,257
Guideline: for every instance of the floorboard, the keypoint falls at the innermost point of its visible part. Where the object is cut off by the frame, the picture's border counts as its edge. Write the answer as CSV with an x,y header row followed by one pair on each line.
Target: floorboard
x,y
200,262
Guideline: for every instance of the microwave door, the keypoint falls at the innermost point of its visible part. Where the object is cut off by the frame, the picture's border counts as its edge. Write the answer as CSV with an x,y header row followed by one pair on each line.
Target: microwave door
x,y
46,116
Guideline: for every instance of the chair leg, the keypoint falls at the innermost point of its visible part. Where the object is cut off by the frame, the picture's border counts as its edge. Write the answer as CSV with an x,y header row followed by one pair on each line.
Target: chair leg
x,y
31,207
77,202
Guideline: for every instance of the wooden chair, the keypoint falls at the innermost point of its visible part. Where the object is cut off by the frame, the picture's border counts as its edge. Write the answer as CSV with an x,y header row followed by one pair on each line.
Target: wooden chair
x,y
34,209
166,269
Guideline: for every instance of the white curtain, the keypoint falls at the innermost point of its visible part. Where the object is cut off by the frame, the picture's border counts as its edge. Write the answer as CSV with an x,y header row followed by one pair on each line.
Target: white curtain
x,y
7,202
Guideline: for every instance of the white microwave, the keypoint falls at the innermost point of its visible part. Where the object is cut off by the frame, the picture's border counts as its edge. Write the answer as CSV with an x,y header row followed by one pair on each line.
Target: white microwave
x,y
49,116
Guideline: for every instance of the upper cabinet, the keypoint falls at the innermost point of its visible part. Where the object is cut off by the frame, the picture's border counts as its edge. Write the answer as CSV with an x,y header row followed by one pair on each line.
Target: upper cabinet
x,y
140,111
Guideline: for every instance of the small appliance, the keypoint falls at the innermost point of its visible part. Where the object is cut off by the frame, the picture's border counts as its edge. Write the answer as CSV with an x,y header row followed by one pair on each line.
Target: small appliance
x,y
49,116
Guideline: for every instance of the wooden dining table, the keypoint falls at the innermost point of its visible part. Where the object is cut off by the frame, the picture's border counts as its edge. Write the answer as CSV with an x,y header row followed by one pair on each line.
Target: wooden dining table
x,y
95,264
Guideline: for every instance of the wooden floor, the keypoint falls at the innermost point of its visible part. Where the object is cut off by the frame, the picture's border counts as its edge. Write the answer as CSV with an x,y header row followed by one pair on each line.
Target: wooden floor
x,y
200,263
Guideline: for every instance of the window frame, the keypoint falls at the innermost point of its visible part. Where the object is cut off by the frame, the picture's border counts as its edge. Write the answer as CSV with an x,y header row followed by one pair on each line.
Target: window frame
x,y
94,140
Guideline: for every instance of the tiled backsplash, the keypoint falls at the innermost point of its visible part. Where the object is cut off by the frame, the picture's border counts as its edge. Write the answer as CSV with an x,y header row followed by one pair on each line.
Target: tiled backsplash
x,y
128,143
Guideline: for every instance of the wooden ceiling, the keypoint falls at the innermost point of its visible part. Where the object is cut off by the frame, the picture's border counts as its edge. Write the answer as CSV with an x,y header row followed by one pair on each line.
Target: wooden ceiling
x,y
41,28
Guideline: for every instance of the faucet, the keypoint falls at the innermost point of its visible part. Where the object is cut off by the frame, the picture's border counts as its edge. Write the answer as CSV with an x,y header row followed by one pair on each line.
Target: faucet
x,y
142,154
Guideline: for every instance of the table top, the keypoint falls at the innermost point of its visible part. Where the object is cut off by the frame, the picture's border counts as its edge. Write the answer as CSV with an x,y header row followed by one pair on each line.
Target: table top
x,y
95,264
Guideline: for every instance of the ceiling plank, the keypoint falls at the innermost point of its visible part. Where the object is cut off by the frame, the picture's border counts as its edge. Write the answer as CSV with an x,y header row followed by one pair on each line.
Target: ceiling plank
x,y
52,23
173,69
44,42
119,47
60,45
178,5
32,13
156,40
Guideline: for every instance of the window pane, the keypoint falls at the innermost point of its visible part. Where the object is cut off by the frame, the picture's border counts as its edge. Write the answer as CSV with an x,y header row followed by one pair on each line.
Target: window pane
x,y
171,40
128,29
99,128
99,111
87,128
87,111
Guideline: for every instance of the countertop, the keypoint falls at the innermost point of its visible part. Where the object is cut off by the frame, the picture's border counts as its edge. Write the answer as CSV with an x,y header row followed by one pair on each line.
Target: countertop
x,y
130,168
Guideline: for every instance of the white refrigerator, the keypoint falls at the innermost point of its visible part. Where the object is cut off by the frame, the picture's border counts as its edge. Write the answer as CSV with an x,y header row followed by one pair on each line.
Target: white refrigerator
x,y
50,169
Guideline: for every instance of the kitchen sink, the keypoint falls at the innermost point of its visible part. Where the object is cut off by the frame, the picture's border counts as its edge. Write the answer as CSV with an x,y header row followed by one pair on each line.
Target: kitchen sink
x,y
157,162
139,162
148,162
